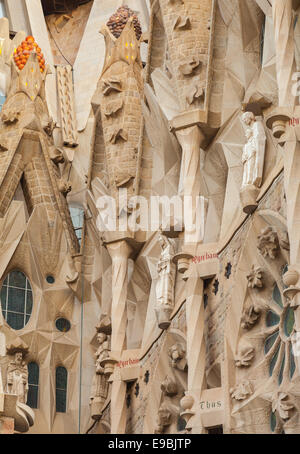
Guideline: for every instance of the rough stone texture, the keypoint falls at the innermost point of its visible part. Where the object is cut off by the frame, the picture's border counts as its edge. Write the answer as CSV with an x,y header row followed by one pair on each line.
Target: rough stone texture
x,y
6,426
161,114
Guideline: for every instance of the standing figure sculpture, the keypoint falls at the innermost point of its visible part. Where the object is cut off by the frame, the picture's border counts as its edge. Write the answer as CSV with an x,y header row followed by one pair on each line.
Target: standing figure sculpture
x,y
166,282
253,160
100,383
17,378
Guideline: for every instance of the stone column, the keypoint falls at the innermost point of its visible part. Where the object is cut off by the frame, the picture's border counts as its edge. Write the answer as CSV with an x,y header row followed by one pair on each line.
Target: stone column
x,y
195,352
195,334
190,139
118,406
285,65
284,43
119,252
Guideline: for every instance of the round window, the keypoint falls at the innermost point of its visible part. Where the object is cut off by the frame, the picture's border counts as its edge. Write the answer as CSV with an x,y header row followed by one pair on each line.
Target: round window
x,y
50,279
62,324
16,299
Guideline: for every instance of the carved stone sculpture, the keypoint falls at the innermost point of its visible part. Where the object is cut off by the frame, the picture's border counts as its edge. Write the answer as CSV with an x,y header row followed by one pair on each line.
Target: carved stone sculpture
x,y
245,356
283,406
253,160
169,386
164,418
64,186
268,243
194,93
11,116
255,277
182,23
188,68
177,354
113,84
100,382
241,391
165,284
17,374
250,316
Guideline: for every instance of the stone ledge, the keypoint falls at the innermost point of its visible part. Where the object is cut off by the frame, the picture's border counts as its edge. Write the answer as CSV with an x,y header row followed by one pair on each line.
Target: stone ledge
x,y
187,119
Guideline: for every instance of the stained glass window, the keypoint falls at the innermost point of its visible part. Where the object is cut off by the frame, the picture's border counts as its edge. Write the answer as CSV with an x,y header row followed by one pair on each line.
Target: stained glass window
x,y
33,384
16,300
278,342
61,389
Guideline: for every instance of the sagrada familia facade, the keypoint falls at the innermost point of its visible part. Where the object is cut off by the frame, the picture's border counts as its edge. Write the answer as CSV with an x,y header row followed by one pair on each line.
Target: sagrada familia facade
x,y
190,323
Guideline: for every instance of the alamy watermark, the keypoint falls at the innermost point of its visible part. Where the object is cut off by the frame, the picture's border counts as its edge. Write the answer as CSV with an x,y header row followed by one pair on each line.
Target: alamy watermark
x,y
150,215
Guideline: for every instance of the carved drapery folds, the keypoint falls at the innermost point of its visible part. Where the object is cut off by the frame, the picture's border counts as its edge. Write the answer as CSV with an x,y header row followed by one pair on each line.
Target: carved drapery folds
x,y
253,160
17,372
166,282
100,384
13,396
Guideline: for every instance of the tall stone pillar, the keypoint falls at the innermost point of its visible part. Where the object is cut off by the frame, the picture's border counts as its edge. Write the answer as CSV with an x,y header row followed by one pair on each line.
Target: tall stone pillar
x,y
118,406
195,333
284,43
190,139
119,252
285,65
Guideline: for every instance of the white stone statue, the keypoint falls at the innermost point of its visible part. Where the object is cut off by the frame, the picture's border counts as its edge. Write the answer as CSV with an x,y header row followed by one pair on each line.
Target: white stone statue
x,y
100,382
254,151
17,378
166,270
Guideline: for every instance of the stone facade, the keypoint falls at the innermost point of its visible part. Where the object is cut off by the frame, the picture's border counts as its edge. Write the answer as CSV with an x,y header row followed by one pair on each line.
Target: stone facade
x,y
116,318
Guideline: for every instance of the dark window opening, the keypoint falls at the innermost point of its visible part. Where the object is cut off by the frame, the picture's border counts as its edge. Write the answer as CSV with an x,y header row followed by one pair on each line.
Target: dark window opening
x,y
61,389
50,279
33,385
215,430
63,325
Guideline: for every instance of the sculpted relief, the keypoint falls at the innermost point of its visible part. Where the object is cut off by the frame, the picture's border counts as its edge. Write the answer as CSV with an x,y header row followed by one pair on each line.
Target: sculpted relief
x,y
17,378
166,281
253,160
17,371
100,384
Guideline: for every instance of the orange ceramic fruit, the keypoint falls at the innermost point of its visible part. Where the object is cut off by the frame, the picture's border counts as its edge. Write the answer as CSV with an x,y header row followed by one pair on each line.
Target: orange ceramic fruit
x,y
23,51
